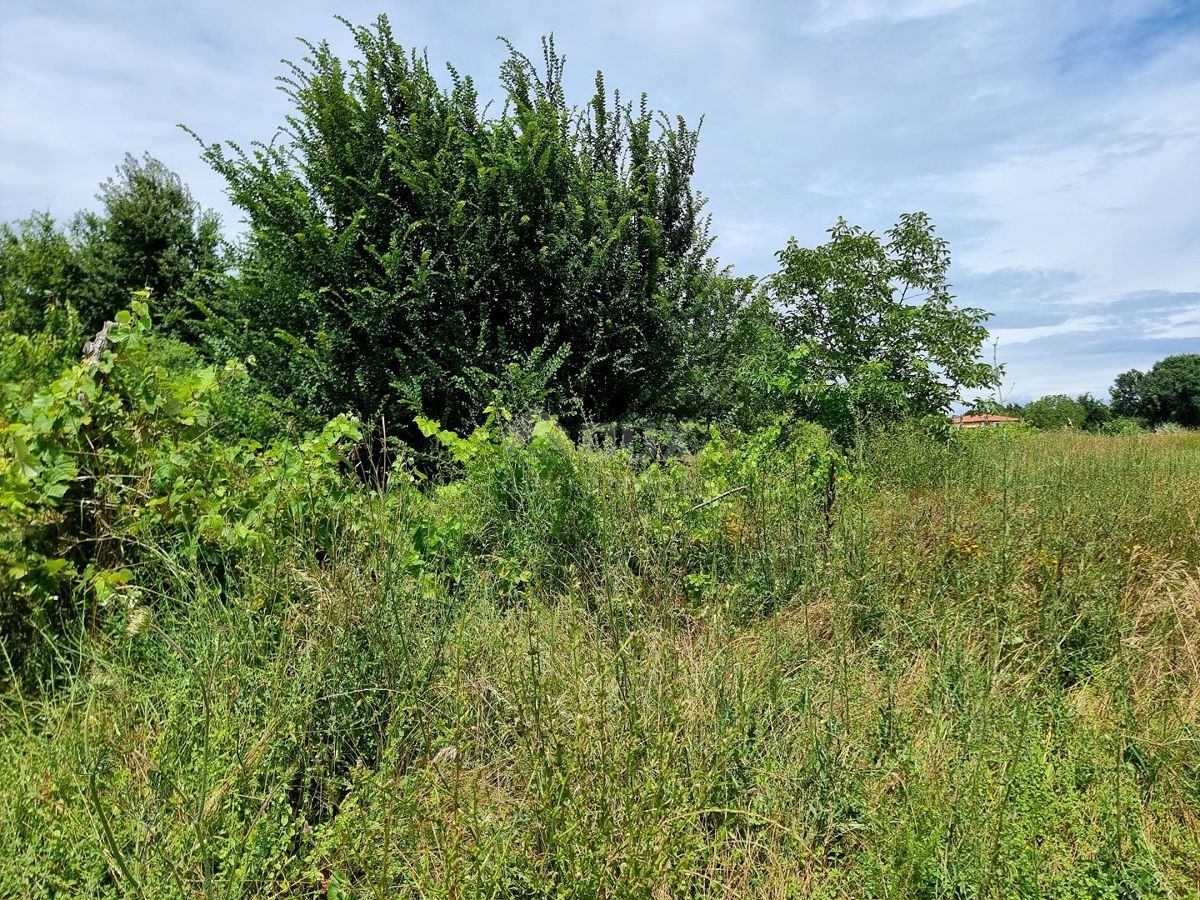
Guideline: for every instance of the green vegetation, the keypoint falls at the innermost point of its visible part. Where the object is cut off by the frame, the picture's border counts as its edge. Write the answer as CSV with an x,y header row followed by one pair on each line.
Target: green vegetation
x,y
1055,411
148,235
1166,397
870,330
411,251
763,669
1169,392
468,530
410,248
119,450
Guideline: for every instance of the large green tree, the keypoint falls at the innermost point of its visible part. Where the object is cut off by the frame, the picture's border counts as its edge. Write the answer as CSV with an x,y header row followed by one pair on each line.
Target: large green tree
x,y
1126,394
410,248
871,327
148,232
1056,411
38,270
1096,413
1168,392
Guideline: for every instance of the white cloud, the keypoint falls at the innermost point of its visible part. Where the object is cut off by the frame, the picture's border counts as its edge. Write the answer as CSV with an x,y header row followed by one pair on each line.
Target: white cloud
x,y
1007,337
1107,205
1182,324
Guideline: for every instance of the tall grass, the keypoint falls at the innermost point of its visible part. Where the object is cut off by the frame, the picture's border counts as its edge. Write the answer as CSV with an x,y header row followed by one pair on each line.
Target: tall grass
x,y
974,673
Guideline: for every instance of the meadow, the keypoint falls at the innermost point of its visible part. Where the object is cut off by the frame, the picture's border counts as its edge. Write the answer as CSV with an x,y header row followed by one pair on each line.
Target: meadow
x,y
461,525
965,666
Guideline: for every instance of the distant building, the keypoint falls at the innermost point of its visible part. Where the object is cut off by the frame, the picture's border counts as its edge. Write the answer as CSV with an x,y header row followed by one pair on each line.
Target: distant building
x,y
981,421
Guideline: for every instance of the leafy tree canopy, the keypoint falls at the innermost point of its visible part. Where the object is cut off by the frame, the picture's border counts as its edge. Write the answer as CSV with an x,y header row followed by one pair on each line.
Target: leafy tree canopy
x,y
37,269
1169,392
148,234
990,406
1096,413
1126,393
412,250
872,328
1056,411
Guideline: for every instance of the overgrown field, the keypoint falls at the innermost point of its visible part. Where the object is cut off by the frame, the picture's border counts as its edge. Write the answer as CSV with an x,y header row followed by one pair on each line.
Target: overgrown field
x,y
928,669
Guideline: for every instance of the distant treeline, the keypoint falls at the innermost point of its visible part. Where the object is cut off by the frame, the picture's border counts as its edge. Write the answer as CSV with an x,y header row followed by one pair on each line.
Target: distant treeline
x,y
1166,396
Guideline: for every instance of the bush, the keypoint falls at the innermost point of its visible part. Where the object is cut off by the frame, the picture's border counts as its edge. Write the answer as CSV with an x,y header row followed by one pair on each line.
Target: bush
x,y
31,360
1122,425
408,246
1056,411
118,451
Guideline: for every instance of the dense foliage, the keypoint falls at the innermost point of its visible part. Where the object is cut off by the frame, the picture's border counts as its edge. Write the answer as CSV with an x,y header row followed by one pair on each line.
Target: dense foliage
x,y
1055,411
414,257
676,583
869,327
412,251
968,670
149,234
1169,392
137,442
410,247
1167,396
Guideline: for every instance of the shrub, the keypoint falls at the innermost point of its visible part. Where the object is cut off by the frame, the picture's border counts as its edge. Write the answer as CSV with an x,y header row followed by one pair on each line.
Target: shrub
x,y
1056,411
1121,425
120,450
407,246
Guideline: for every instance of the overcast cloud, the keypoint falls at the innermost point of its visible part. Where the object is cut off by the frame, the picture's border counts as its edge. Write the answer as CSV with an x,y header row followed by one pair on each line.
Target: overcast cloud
x,y
1057,145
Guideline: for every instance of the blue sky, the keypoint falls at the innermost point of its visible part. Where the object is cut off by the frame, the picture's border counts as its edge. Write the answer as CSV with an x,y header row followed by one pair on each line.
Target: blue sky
x,y
1056,145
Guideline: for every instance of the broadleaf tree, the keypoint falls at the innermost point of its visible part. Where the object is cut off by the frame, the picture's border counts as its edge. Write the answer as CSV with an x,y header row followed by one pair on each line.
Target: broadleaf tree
x,y
1168,392
872,328
147,234
408,245
1056,411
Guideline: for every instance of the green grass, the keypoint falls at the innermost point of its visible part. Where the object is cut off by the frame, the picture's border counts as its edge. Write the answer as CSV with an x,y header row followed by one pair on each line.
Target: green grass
x,y
977,674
